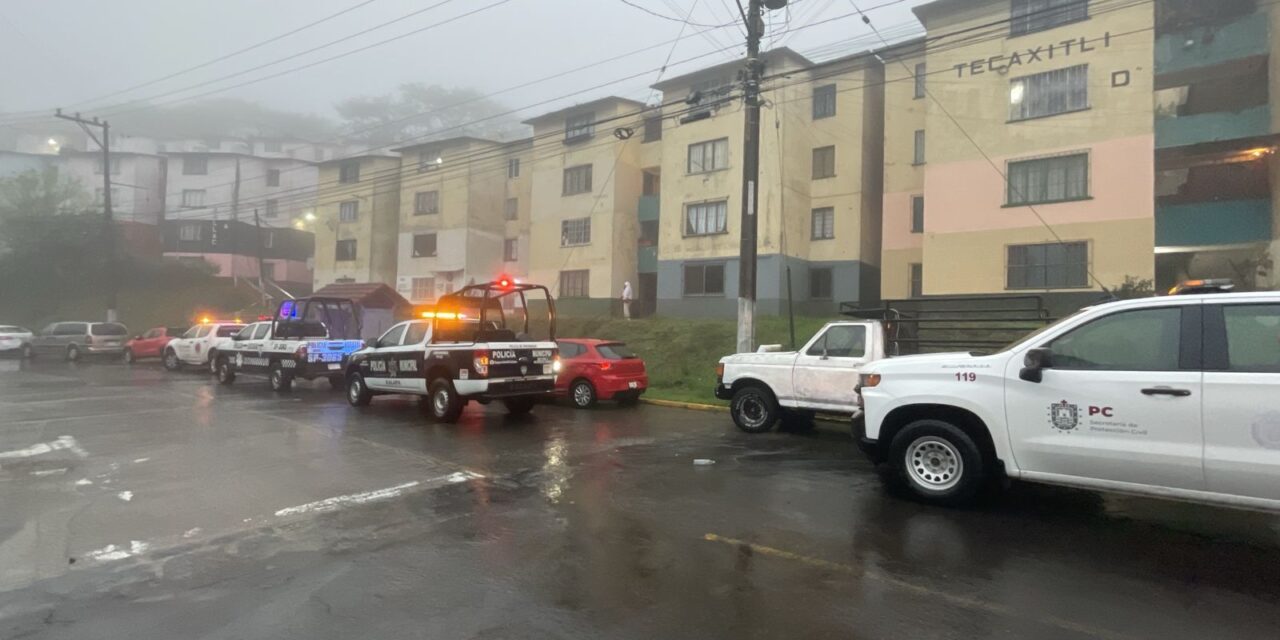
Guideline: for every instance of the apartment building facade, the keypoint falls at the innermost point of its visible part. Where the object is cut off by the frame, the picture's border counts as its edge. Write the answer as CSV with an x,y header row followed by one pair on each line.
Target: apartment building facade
x,y
464,218
357,218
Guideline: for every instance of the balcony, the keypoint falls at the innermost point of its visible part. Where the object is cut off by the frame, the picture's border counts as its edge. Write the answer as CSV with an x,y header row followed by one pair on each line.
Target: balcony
x,y
647,259
1180,131
648,208
1197,47
1224,222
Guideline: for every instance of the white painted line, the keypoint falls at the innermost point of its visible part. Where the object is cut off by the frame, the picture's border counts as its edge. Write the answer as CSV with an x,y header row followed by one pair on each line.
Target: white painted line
x,y
330,504
49,472
112,552
83,482
462,476
63,442
125,495
141,460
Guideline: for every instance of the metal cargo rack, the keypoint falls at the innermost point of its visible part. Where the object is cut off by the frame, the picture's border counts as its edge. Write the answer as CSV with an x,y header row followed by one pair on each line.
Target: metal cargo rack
x,y
954,323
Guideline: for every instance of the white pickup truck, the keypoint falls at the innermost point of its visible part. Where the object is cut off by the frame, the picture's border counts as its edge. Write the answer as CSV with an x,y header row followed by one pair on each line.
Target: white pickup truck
x,y
771,385
1175,396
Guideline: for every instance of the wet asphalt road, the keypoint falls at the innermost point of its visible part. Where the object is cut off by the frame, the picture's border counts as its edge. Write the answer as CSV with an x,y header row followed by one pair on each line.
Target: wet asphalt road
x,y
140,504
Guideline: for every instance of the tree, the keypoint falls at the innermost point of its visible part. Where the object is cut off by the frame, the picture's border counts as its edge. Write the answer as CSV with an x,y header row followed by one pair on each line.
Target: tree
x,y
222,117
41,193
419,110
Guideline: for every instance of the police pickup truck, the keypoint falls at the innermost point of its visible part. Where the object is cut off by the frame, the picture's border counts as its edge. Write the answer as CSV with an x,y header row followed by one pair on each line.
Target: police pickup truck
x,y
308,338
493,341
1175,396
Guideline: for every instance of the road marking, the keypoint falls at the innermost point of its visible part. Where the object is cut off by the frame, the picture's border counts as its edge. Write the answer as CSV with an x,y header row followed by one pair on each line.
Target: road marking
x,y
125,495
112,552
337,502
63,442
918,589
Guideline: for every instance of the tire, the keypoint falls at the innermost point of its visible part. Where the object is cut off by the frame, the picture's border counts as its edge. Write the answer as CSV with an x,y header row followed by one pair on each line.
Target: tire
x,y
279,379
226,374
443,402
582,394
127,357
213,362
798,421
73,353
937,462
754,409
357,393
171,361
518,406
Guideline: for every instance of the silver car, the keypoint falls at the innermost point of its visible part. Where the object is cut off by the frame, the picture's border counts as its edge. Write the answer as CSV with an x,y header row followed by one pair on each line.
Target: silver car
x,y
15,340
74,340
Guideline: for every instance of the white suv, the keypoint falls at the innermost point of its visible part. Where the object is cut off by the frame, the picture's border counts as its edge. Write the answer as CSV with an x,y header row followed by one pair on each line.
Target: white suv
x,y
1176,396
199,345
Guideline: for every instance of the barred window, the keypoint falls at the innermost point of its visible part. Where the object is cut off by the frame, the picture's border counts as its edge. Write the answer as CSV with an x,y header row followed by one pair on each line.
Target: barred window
x,y
824,223
824,162
1028,16
190,232
424,288
704,279
1049,93
575,232
192,198
820,283
577,180
1048,266
575,284
349,211
706,218
1046,180
579,127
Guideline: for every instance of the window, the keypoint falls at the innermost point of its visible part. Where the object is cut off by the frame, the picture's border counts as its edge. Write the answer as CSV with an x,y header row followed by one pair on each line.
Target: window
x,y
824,223
570,349
575,232
115,167
820,283
510,249
580,127
824,162
349,172
917,214
192,198
706,218
652,184
840,341
704,279
393,336
615,351
1046,180
424,245
1028,16
513,168
575,284
273,177
1141,340
1253,337
264,329
824,101
915,277
429,161
268,239
195,166
1048,266
426,203
272,209
709,156
190,232
203,330
919,78
512,209
424,288
917,156
273,147
652,129
417,332
349,211
345,250
577,180
1049,93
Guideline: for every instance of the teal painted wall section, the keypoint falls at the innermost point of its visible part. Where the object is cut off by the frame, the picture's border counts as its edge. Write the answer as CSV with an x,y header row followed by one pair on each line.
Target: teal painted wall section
x,y
1212,127
1240,39
1213,223
647,260
648,208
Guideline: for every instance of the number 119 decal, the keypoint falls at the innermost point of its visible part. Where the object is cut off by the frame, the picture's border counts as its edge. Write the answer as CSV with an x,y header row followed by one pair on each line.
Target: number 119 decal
x,y
966,376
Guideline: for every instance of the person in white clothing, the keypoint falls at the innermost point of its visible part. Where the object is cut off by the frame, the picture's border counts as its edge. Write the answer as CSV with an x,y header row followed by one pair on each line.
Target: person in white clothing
x,y
626,299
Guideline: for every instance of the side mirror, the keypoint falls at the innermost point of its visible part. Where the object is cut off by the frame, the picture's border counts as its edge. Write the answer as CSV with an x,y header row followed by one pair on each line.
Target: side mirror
x,y
1034,363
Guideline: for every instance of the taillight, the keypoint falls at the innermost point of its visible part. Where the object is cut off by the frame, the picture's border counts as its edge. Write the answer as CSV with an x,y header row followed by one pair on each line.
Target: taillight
x,y
719,370
605,366
480,362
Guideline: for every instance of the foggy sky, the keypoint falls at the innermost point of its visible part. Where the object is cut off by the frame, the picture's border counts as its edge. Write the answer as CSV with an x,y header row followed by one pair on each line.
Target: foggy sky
x,y
59,52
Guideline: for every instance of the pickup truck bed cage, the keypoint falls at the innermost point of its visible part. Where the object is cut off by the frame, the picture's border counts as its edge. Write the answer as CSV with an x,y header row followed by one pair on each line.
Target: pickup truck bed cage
x,y
954,323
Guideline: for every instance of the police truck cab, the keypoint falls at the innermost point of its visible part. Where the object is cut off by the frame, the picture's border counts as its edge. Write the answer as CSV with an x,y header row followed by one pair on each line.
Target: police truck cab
x,y
493,341
308,338
1175,396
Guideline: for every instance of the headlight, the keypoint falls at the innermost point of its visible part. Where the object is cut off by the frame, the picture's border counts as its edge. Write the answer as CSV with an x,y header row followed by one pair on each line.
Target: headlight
x,y
867,380
555,365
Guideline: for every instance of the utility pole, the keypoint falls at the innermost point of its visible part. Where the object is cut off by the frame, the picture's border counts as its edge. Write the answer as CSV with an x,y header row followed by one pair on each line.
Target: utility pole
x,y
108,217
750,182
235,224
257,242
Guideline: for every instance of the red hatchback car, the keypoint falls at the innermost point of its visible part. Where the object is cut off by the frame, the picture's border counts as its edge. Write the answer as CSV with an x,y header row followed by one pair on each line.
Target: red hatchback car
x,y
150,344
592,370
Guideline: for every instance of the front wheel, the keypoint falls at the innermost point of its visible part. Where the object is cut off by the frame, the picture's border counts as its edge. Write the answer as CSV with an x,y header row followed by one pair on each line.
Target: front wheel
x,y
171,361
754,409
226,375
281,382
357,393
73,353
213,362
518,406
937,462
444,403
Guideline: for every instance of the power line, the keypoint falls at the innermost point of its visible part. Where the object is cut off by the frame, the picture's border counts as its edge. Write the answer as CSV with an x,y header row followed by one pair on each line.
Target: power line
x,y
685,20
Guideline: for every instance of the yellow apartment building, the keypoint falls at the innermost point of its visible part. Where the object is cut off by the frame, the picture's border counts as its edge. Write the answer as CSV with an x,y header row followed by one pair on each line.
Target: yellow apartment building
x,y
585,189
460,219
357,215
819,192
905,104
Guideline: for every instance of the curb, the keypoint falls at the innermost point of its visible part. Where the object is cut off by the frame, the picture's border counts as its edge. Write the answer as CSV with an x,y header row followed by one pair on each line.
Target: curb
x,y
694,406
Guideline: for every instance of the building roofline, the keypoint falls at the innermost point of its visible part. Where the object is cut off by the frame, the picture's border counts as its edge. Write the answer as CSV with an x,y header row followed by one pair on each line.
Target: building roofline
x,y
780,52
446,142
585,105
362,156
939,7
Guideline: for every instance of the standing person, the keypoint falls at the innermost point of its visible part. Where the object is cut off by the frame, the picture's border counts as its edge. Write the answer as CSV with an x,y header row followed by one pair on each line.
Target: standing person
x,y
626,299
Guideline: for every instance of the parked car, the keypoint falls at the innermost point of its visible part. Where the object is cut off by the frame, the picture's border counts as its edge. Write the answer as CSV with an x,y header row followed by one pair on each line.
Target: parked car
x,y
15,340
199,345
593,370
1174,396
150,344
74,340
